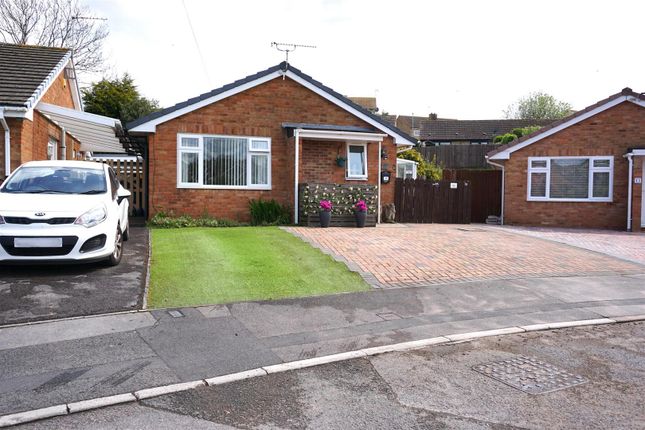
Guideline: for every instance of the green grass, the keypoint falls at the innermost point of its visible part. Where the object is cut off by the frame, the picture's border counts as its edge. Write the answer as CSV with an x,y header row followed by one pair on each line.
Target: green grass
x,y
199,266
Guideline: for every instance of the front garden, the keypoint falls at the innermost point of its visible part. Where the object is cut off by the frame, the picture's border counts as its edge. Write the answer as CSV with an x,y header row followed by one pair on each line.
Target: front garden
x,y
199,266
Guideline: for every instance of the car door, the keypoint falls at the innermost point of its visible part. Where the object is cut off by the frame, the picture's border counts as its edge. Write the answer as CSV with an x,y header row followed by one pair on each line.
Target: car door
x,y
122,203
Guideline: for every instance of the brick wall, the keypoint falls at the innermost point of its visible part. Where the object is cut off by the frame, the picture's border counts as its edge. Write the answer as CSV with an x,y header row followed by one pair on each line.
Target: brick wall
x,y
259,111
611,132
60,92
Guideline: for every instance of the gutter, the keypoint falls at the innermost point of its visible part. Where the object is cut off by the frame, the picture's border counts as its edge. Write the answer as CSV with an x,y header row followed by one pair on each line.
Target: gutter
x,y
501,166
7,143
629,190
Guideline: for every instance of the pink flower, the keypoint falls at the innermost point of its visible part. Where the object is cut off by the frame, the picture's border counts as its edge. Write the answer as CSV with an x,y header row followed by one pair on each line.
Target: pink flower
x,y
361,206
325,205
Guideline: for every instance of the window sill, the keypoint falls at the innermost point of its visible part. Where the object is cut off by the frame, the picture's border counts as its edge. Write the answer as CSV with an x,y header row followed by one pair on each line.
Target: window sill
x,y
222,187
356,179
537,199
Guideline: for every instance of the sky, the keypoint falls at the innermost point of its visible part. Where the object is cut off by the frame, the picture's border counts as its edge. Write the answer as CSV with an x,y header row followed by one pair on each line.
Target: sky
x,y
460,59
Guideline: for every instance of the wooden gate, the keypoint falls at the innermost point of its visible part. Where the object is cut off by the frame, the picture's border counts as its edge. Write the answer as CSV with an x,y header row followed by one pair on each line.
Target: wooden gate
x,y
423,201
486,190
132,175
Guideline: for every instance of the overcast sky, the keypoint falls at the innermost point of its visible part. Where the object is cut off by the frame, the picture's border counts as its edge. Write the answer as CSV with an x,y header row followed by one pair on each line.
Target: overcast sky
x,y
460,59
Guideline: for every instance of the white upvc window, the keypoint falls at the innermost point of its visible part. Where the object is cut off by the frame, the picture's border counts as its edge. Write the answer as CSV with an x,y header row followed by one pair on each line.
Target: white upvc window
x,y
356,161
52,149
223,162
570,179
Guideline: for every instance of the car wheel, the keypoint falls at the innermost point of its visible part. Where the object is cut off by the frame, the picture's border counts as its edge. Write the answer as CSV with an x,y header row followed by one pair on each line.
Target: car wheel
x,y
115,257
126,233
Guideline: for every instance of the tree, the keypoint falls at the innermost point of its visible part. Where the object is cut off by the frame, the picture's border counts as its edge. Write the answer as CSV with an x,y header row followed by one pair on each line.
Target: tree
x,y
118,98
429,170
538,106
54,23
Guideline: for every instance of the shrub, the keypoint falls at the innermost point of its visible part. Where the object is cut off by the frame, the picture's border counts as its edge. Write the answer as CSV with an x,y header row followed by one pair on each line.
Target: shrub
x,y
429,170
269,212
163,220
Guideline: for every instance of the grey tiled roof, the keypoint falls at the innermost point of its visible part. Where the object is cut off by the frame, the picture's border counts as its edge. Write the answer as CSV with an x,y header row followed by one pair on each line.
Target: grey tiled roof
x,y
270,70
23,69
443,130
479,129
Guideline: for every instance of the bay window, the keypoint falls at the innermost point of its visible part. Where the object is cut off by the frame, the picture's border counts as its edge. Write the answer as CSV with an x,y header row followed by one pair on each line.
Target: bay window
x,y
208,161
570,178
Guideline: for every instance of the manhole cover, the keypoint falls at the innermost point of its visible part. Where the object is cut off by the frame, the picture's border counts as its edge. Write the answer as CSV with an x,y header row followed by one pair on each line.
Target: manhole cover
x,y
389,316
530,375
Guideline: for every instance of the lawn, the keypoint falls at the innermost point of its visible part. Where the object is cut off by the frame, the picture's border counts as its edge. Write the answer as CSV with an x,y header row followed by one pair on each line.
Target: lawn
x,y
199,266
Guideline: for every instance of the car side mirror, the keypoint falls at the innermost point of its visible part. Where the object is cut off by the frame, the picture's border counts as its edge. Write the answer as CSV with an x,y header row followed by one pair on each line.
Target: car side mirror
x,y
122,194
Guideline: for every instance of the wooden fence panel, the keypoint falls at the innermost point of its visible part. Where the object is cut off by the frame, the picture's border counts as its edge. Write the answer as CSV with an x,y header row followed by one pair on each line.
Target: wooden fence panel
x,y
486,191
131,174
423,201
458,156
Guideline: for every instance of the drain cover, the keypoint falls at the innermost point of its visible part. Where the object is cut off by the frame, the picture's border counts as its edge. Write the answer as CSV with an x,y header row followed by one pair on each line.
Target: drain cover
x,y
389,316
530,375
175,313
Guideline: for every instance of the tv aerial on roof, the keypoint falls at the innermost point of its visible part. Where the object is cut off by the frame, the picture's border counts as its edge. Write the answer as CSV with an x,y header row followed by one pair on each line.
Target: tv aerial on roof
x,y
286,48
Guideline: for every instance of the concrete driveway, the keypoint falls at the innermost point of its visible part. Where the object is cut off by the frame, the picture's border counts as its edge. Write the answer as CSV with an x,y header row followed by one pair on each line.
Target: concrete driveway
x,y
401,255
33,293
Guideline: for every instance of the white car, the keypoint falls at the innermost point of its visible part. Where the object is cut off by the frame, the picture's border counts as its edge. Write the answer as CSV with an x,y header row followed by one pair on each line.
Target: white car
x,y
74,211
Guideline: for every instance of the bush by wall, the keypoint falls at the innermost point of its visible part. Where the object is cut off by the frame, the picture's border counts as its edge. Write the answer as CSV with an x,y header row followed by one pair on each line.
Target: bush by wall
x,y
163,220
269,212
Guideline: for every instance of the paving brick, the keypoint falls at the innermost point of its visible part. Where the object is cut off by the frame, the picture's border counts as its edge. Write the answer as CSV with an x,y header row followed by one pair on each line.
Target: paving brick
x,y
426,254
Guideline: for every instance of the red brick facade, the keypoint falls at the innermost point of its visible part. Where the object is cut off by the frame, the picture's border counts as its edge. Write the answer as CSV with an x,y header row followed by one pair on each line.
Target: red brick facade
x,y
29,138
609,133
259,111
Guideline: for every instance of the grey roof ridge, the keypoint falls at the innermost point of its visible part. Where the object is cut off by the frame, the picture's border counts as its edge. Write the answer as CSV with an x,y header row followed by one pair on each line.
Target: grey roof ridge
x,y
284,67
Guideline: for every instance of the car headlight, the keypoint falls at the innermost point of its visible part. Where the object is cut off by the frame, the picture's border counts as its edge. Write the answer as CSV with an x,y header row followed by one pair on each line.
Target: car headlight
x,y
1,220
92,217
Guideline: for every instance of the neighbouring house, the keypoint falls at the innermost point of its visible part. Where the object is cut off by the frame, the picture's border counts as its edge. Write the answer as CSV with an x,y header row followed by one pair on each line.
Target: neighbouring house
x,y
278,134
434,131
368,103
585,170
41,113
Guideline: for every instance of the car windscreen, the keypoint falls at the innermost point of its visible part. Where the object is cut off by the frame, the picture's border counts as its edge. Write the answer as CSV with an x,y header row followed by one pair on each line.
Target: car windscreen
x,y
56,180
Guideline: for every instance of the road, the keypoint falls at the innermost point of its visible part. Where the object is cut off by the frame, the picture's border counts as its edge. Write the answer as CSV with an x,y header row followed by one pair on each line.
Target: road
x,y
435,387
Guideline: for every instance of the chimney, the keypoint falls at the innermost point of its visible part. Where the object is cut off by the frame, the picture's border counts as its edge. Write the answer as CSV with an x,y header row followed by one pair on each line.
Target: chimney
x,y
432,116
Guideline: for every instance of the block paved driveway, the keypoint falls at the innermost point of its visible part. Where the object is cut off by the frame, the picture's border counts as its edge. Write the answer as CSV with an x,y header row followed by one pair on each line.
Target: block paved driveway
x,y
401,255
620,244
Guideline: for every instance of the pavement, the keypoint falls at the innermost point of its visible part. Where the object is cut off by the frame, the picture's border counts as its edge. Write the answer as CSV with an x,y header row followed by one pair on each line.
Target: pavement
x,y
435,387
408,255
35,293
62,361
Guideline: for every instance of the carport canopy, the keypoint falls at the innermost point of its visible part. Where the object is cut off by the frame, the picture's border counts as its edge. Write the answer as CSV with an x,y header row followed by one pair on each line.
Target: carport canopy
x,y
96,133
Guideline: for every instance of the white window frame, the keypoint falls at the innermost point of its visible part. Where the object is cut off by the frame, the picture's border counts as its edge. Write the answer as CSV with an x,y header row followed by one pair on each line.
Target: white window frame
x,y
200,162
350,177
592,170
52,149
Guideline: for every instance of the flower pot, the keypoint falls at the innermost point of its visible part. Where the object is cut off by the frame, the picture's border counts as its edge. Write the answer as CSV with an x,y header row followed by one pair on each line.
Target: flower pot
x,y
325,219
360,218
340,162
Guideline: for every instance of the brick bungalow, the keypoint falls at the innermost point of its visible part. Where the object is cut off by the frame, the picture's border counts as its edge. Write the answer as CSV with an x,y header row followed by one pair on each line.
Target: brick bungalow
x,y
274,135
41,114
585,170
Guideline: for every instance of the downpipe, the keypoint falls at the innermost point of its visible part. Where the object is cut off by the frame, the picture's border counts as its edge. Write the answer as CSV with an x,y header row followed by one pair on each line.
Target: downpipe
x,y
7,144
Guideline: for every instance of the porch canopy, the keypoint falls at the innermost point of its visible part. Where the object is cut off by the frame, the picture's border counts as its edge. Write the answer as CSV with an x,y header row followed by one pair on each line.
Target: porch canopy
x,y
95,132
343,133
